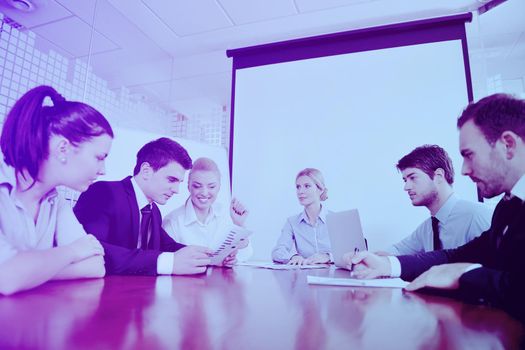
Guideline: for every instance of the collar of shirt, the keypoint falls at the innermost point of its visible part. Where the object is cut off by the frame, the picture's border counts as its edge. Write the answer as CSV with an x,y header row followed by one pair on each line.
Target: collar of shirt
x,y
519,188
444,212
321,216
142,201
8,179
190,216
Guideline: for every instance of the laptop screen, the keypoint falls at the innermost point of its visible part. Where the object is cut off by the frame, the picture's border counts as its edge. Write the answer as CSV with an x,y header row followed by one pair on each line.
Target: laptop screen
x,y
346,234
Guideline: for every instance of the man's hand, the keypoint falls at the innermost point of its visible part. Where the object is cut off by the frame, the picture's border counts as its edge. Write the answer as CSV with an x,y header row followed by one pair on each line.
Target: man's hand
x,y
444,276
296,260
238,212
367,265
191,260
318,258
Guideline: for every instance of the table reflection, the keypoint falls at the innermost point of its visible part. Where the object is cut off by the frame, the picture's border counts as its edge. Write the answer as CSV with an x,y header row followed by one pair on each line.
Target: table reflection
x,y
244,308
50,316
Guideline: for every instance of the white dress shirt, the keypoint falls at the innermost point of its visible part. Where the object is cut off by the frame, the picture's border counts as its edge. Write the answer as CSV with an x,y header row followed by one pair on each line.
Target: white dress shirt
x,y
460,221
56,225
518,190
184,227
165,259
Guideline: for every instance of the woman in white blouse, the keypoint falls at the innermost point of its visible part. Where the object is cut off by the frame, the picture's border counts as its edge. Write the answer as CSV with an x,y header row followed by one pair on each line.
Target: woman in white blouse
x,y
43,147
200,221
304,237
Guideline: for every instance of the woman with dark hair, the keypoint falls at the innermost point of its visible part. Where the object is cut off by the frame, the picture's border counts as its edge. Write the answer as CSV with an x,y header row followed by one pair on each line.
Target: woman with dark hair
x,y
44,147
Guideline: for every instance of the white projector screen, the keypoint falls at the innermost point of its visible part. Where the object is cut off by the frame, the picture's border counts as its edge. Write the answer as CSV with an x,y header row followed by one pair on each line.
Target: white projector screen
x,y
353,116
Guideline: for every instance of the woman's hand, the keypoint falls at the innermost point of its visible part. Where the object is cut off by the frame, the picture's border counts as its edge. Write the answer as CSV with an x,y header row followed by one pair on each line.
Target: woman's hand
x,y
238,212
296,260
85,247
318,258
230,260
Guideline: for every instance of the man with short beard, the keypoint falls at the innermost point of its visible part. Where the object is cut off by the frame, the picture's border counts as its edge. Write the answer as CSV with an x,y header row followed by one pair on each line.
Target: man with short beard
x,y
490,268
428,175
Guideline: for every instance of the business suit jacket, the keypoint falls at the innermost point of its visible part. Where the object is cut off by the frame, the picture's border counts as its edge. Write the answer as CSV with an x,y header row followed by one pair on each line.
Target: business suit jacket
x,y
501,280
109,211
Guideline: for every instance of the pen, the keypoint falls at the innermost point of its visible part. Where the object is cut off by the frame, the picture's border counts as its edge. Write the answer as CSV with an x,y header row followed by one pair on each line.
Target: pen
x,y
356,250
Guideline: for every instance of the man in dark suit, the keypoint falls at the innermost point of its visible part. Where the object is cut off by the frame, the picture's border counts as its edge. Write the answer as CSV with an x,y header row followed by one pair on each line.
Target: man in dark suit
x,y
490,268
124,216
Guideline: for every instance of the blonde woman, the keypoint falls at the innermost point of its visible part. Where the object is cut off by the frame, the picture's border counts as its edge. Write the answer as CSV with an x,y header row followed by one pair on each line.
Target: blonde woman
x,y
201,221
304,237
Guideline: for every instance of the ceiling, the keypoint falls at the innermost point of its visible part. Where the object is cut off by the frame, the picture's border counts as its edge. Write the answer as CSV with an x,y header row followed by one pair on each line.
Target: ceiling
x,y
172,52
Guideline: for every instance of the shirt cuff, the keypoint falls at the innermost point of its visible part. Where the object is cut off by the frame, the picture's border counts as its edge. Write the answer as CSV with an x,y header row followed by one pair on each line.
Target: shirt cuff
x,y
395,266
472,267
165,264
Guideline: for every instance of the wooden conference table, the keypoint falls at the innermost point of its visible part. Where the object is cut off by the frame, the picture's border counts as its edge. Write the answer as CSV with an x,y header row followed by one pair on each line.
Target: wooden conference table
x,y
244,308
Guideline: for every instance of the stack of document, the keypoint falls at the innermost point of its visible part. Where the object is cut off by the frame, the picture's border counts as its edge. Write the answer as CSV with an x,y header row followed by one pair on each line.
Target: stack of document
x,y
354,282
274,266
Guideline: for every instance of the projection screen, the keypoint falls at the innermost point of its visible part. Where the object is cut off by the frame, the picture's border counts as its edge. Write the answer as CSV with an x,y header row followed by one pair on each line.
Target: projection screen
x,y
350,104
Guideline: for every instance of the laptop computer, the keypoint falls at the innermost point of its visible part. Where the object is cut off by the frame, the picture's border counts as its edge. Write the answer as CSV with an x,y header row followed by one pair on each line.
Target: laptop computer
x,y
346,234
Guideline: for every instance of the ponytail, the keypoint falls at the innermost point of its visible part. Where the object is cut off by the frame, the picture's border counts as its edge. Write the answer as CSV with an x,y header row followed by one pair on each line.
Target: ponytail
x,y
25,135
29,125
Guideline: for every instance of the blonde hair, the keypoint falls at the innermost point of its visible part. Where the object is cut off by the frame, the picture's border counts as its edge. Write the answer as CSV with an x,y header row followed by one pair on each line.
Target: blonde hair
x,y
317,178
205,164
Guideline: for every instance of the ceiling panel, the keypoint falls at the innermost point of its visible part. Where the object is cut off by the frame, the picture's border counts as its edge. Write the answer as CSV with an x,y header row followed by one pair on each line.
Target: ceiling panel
x,y
145,20
315,5
190,17
73,35
44,12
242,12
83,9
298,26
117,27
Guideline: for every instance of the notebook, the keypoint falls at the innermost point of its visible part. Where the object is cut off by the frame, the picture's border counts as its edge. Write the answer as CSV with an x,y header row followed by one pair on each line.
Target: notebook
x,y
346,234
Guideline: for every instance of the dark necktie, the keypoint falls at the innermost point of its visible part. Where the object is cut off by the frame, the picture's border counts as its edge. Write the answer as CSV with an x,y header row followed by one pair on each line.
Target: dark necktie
x,y
144,226
435,231
509,210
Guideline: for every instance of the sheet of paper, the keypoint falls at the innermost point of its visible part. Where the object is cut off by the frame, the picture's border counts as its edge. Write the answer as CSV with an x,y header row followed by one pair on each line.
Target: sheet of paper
x,y
353,282
274,266
235,236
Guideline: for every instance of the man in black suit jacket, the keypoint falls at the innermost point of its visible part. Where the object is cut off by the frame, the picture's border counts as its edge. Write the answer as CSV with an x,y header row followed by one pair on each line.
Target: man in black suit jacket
x,y
114,211
490,268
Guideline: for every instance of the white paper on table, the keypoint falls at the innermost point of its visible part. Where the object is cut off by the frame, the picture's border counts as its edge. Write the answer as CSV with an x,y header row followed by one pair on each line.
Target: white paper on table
x,y
354,282
274,266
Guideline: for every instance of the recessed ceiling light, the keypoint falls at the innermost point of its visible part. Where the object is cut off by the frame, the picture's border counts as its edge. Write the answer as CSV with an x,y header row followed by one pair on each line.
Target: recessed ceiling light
x,y
22,5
